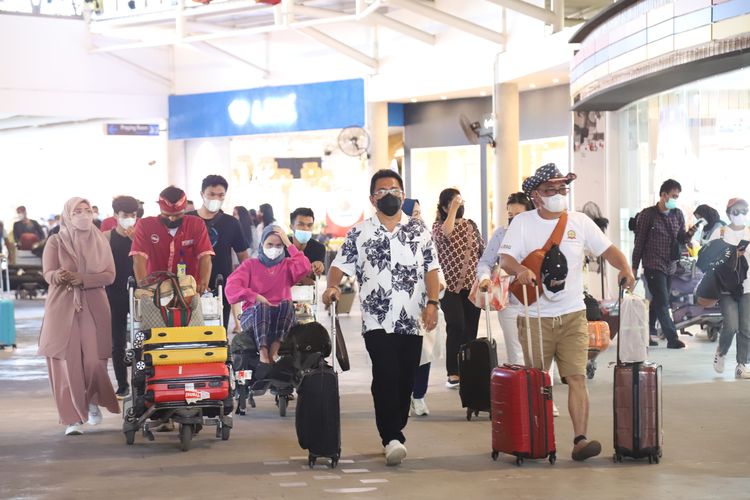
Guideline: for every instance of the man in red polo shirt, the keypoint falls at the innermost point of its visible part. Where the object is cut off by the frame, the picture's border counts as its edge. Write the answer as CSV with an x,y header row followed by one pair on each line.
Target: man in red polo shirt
x,y
173,239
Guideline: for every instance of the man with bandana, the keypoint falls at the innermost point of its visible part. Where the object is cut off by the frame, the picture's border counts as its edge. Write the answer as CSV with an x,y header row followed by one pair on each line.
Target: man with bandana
x,y
172,242
561,307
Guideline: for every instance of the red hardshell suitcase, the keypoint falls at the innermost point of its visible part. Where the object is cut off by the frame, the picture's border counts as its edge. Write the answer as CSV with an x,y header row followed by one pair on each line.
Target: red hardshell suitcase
x,y
188,383
522,420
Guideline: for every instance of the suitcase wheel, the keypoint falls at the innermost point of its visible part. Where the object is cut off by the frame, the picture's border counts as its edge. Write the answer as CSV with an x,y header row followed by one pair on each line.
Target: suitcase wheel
x,y
468,414
495,454
130,437
282,402
311,461
552,458
251,399
334,461
519,461
617,458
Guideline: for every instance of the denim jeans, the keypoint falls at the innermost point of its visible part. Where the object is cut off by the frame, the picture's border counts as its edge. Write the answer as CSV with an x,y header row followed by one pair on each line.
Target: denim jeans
x,y
660,285
736,316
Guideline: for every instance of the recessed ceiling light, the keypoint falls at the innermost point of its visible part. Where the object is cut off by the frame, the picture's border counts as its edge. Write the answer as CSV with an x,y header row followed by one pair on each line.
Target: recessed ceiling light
x,y
443,97
532,85
413,100
483,93
555,80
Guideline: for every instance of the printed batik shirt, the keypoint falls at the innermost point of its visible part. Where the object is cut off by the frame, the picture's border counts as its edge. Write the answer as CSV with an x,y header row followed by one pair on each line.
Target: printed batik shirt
x,y
390,268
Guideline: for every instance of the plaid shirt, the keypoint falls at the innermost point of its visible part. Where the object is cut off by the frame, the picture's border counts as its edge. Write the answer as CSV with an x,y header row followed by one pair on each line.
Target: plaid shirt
x,y
654,233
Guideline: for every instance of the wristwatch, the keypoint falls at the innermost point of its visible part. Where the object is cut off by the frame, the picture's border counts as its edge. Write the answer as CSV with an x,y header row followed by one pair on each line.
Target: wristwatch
x,y
434,303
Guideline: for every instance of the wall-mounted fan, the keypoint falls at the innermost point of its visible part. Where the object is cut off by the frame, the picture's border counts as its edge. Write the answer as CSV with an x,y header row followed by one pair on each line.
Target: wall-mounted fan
x,y
354,141
475,132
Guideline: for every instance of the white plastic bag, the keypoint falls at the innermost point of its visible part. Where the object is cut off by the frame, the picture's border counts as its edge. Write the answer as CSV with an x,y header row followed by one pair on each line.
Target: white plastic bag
x,y
633,334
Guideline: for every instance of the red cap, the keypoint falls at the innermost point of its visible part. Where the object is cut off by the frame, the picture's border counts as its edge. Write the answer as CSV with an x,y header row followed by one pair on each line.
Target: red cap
x,y
735,201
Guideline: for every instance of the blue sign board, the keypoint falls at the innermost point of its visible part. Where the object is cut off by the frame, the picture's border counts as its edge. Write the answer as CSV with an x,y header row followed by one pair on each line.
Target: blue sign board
x,y
291,108
132,129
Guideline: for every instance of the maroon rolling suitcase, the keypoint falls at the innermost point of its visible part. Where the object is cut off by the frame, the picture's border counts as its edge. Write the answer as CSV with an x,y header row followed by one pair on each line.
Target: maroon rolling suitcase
x,y
522,420
638,431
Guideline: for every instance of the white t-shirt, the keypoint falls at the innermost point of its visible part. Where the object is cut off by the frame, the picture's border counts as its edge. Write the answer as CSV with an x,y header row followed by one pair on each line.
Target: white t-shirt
x,y
733,237
529,232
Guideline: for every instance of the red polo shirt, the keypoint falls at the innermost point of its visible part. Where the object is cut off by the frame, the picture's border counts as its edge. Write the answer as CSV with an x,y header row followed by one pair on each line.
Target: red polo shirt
x,y
163,252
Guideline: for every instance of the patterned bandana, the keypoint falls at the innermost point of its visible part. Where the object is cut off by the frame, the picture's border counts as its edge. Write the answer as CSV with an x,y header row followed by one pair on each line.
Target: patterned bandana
x,y
169,208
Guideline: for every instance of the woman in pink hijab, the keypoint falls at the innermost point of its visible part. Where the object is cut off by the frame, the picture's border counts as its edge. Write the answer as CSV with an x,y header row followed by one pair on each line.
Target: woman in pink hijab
x,y
76,331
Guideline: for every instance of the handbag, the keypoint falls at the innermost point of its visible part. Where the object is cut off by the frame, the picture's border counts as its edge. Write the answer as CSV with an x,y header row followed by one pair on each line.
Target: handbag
x,y
176,313
534,261
162,279
498,291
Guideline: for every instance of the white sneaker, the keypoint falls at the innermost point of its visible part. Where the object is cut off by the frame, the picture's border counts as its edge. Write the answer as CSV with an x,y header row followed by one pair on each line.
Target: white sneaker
x,y
719,362
395,452
95,415
742,372
555,411
420,407
452,384
74,430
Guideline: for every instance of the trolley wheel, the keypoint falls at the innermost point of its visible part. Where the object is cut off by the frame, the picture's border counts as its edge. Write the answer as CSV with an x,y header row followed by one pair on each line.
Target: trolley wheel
x,y
311,461
495,454
251,400
225,431
590,370
552,458
283,402
713,334
130,437
519,461
186,435
468,414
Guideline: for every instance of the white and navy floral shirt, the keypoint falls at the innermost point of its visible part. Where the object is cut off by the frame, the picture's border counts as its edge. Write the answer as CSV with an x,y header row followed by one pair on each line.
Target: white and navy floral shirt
x,y
390,270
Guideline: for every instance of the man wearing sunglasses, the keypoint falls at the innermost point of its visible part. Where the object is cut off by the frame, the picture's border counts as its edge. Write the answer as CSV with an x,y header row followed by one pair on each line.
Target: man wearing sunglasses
x,y
396,265
563,312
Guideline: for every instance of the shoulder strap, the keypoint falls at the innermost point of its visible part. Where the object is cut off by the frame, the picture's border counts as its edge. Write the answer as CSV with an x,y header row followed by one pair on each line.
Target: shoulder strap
x,y
557,235
722,231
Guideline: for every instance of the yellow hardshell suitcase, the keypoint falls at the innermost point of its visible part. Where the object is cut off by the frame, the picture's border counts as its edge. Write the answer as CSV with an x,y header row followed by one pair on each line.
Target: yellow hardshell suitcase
x,y
215,335
186,356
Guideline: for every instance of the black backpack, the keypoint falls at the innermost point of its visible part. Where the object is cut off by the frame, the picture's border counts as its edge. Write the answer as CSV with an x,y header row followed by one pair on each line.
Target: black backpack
x,y
593,313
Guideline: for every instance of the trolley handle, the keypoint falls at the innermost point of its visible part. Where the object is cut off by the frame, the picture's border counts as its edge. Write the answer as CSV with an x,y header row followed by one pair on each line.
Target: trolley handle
x,y
621,293
333,333
528,325
487,311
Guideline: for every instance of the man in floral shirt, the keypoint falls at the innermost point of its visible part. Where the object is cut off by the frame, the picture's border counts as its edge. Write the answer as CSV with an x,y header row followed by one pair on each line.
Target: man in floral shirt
x,y
396,266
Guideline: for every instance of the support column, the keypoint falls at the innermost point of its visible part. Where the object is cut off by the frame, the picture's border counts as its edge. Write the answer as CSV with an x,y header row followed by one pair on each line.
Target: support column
x,y
507,135
377,127
176,164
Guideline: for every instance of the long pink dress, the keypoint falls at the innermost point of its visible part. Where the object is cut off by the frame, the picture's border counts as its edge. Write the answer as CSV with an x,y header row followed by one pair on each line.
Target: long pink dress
x,y
77,344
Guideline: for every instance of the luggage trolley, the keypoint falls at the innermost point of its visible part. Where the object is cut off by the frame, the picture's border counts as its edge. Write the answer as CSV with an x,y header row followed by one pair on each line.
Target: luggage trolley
x,y
191,414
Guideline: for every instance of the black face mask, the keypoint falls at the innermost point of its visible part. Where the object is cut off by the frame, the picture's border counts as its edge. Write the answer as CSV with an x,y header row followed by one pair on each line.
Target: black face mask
x,y
389,204
171,224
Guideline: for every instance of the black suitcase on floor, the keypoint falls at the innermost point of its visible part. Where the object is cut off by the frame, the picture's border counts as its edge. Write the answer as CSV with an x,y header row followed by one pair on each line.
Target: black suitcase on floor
x,y
476,360
318,416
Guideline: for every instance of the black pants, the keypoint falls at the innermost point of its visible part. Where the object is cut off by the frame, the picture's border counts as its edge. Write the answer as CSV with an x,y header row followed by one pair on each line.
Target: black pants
x,y
660,286
395,359
119,307
462,323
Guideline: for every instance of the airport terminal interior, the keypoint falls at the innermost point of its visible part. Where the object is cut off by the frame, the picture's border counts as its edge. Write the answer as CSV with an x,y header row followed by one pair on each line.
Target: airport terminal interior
x,y
229,228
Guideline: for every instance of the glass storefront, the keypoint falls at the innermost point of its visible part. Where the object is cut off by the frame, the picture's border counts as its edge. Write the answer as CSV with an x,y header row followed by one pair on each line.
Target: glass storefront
x,y
697,134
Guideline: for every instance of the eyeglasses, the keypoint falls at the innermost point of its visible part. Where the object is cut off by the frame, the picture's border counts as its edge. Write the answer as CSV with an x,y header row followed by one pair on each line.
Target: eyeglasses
x,y
554,191
382,192
738,211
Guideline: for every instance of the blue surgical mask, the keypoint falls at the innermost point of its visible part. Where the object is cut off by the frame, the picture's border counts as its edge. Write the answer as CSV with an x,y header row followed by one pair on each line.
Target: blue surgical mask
x,y
671,204
302,236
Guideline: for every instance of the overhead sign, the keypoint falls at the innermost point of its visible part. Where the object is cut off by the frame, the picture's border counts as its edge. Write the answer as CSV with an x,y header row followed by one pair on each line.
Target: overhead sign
x,y
132,129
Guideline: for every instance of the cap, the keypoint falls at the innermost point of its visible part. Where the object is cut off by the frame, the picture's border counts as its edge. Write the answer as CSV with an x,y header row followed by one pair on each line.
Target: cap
x,y
546,173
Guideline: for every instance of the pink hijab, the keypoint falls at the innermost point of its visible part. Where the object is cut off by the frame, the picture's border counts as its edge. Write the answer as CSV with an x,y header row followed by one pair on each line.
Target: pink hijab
x,y
88,249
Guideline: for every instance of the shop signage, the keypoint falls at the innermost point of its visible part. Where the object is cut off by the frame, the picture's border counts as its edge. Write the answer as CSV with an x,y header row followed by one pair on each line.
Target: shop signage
x,y
132,129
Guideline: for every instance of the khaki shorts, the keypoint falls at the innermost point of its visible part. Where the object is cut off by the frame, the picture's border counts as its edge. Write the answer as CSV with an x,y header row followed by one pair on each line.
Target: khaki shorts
x,y
565,338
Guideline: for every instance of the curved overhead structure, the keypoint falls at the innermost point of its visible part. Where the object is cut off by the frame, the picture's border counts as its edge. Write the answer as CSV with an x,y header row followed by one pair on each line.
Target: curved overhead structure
x,y
637,48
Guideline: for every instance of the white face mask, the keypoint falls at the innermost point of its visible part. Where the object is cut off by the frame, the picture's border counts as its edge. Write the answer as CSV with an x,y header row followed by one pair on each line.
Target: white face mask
x,y
738,220
126,222
555,203
272,252
212,205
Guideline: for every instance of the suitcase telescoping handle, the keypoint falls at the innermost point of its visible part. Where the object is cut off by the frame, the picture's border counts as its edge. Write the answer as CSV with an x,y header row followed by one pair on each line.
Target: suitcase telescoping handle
x,y
333,334
528,326
487,314
620,294
4,274
131,305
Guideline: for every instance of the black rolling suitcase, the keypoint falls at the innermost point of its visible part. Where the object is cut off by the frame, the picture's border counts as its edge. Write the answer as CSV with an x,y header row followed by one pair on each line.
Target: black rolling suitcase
x,y
318,416
476,360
